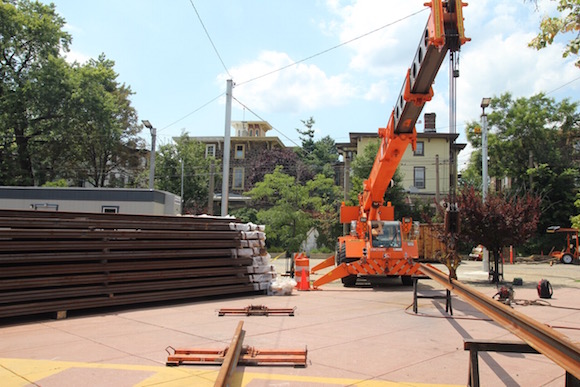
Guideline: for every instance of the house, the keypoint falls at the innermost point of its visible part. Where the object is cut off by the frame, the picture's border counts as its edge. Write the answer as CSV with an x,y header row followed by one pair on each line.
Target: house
x,y
249,139
425,171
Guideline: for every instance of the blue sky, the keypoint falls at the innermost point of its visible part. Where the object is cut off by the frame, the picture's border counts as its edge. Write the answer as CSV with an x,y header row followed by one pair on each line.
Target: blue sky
x,y
163,53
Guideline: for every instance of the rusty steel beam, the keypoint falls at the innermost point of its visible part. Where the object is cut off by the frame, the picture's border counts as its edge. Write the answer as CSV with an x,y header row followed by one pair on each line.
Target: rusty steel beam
x,y
231,358
59,261
61,218
117,300
86,245
10,297
11,258
554,345
85,234
44,281
109,267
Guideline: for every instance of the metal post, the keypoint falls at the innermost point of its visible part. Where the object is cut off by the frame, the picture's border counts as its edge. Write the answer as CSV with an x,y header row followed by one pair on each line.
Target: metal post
x,y
484,188
152,156
152,166
228,129
484,172
182,186
347,156
211,188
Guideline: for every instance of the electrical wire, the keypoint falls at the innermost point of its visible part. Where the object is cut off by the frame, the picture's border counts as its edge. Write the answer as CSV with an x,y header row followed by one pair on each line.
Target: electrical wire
x,y
209,37
194,111
565,84
332,48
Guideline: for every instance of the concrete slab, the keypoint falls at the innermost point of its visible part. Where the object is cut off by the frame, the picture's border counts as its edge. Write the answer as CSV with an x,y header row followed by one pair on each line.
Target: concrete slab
x,y
355,336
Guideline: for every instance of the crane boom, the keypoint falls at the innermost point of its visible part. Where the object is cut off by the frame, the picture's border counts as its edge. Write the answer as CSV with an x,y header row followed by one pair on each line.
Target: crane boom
x,y
444,32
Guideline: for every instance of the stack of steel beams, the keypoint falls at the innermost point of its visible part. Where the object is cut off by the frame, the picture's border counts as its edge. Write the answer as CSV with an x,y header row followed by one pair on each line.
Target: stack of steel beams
x,y
57,261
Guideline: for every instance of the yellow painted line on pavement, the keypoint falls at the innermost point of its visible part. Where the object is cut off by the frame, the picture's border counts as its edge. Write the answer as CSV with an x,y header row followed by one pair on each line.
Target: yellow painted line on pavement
x,y
23,372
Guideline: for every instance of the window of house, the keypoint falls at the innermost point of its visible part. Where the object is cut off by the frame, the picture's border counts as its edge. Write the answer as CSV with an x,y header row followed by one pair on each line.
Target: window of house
x,y
257,132
110,209
251,132
420,150
238,178
419,177
240,151
44,207
210,150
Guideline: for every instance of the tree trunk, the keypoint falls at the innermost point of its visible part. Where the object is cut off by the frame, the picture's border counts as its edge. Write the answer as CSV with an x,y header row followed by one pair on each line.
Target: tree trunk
x,y
496,275
26,174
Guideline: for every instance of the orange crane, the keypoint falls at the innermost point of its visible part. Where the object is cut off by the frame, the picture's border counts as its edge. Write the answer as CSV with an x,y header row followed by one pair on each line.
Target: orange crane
x,y
377,244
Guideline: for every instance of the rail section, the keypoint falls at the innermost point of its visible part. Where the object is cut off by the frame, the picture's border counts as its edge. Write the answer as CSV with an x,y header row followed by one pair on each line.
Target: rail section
x,y
54,262
547,341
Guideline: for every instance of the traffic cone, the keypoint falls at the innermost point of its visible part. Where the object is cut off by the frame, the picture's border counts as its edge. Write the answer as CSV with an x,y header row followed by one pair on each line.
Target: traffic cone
x,y
304,283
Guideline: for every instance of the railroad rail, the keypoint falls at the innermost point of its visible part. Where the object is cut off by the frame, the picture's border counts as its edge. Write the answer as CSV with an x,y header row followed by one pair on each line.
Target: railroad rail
x,y
545,340
54,262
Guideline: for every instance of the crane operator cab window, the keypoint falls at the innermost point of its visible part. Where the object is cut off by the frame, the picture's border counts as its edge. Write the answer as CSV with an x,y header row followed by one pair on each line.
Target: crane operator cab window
x,y
386,234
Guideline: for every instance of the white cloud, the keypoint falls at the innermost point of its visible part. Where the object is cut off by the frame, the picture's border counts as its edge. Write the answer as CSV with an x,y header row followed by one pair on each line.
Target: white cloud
x,y
381,52
297,88
75,56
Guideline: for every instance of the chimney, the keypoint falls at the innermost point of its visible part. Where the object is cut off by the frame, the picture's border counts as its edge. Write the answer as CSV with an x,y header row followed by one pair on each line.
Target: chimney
x,y
430,123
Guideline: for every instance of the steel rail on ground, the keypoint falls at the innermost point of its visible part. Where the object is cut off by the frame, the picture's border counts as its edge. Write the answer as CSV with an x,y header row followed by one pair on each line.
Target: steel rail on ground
x,y
541,337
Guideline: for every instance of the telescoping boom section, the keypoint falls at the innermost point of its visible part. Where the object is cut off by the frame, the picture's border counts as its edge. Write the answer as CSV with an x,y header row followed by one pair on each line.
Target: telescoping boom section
x,y
359,252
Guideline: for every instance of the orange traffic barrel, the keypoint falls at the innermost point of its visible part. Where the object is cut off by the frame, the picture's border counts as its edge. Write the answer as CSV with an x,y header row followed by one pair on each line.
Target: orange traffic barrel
x,y
302,271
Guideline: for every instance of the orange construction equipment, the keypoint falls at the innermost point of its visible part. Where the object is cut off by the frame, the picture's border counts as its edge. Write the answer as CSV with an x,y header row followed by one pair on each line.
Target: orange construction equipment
x,y
378,245
571,251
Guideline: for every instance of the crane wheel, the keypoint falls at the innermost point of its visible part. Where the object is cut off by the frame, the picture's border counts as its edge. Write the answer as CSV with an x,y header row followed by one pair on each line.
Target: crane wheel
x,y
567,259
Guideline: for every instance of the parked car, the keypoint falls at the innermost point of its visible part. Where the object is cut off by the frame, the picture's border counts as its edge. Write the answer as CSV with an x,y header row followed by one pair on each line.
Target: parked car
x,y
477,253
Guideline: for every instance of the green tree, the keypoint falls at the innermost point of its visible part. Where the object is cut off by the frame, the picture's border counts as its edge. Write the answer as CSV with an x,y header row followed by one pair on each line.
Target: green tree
x,y
323,202
307,135
284,213
568,22
576,218
31,37
102,125
60,121
320,156
196,172
533,141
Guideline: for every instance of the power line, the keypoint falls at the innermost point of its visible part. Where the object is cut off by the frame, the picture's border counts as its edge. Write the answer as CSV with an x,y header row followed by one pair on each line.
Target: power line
x,y
209,37
195,111
282,68
333,48
565,84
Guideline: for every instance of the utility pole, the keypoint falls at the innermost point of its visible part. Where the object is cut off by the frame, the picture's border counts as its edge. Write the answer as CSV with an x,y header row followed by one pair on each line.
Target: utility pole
x,y
437,189
182,201
211,189
228,129
484,103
